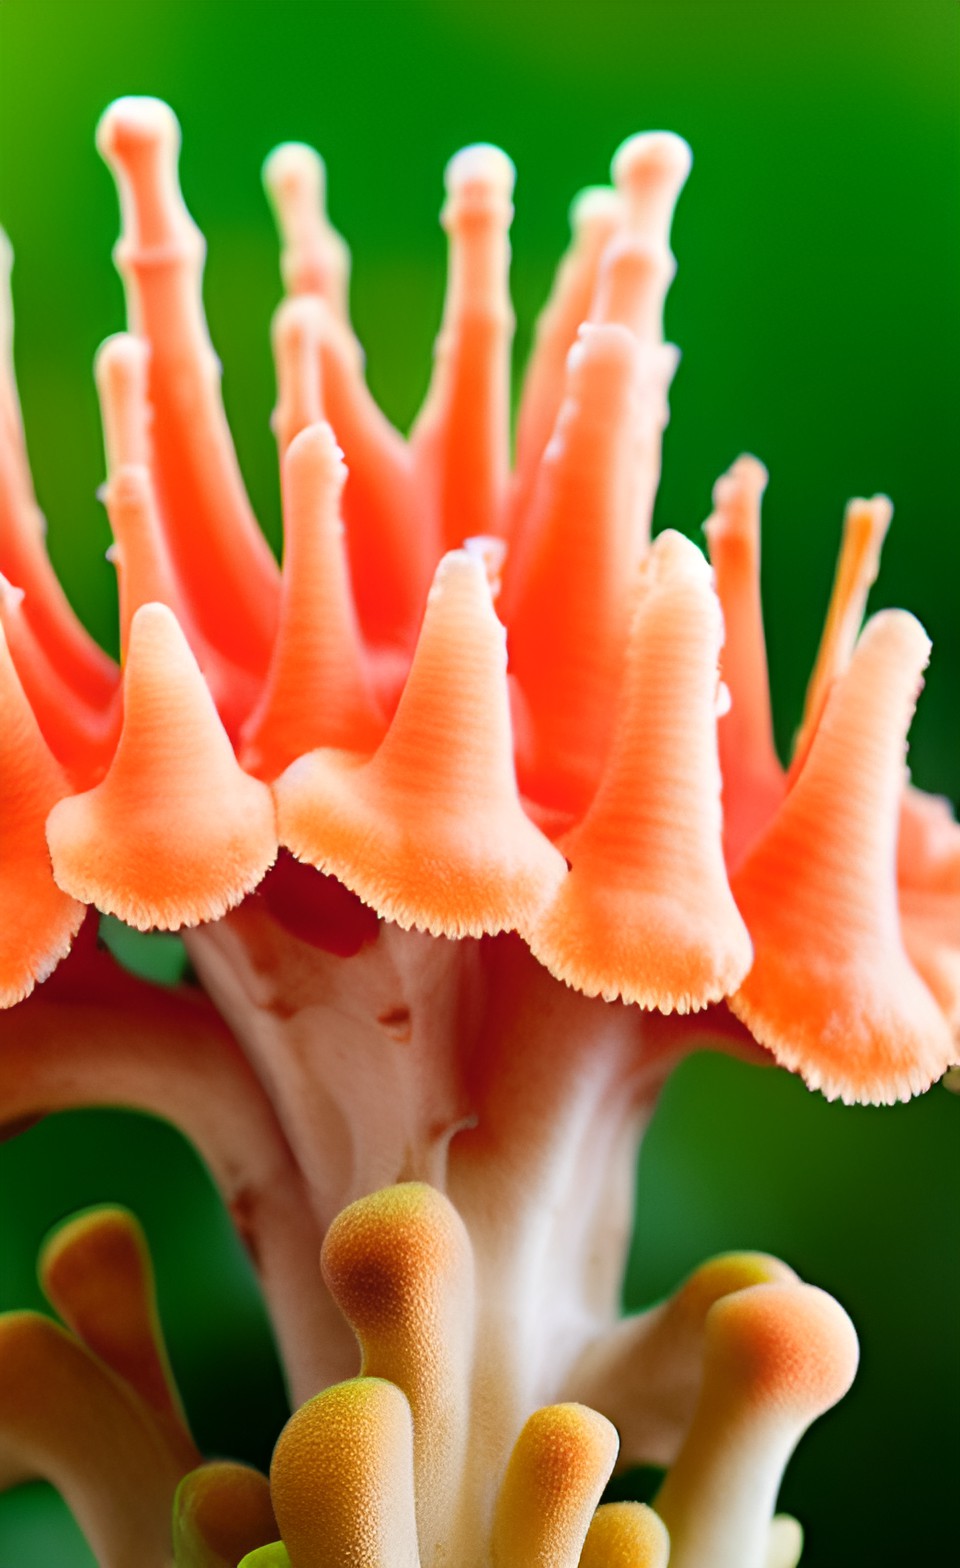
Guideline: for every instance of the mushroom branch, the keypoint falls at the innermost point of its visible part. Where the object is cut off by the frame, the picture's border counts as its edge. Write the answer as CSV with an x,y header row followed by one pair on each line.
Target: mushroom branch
x,y
471,819
97,1036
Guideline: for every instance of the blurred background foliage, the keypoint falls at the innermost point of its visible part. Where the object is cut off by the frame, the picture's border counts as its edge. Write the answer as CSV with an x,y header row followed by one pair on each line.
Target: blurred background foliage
x,y
817,308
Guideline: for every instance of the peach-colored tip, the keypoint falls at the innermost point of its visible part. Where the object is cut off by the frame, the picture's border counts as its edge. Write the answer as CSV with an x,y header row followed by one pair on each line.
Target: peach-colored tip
x,y
753,780
223,563
569,583
865,526
430,831
832,992
176,833
120,369
646,912
315,260
318,690
650,170
37,921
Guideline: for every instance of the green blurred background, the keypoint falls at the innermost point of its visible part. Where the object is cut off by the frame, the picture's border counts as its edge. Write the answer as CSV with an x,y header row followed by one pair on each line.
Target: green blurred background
x,y
817,308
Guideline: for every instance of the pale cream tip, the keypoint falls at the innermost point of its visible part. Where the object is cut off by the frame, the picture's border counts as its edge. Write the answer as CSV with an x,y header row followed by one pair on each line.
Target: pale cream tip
x,y
747,474
294,169
658,155
594,204
480,167
130,124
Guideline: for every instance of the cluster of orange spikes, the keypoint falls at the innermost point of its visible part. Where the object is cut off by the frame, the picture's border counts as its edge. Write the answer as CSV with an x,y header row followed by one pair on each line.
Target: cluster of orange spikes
x,y
478,701
559,729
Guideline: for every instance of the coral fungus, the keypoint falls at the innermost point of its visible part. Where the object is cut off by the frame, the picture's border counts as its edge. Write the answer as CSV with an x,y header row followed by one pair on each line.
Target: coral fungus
x,y
473,824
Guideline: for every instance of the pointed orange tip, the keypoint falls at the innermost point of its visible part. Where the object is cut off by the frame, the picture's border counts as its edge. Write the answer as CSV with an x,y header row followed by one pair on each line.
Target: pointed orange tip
x,y
832,992
430,830
865,526
646,913
319,689
176,833
789,1345
38,922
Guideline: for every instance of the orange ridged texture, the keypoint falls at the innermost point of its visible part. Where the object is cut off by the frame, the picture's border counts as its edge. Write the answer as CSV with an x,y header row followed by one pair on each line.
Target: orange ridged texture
x,y
646,913
176,833
753,779
477,705
318,691
832,991
430,830
222,560
568,598
37,920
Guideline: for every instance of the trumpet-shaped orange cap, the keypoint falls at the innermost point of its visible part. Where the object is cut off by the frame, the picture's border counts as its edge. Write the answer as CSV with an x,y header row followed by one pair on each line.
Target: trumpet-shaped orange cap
x,y
38,921
832,992
646,912
430,829
176,833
